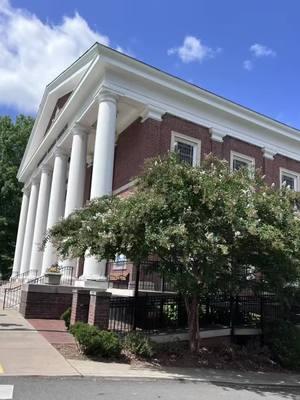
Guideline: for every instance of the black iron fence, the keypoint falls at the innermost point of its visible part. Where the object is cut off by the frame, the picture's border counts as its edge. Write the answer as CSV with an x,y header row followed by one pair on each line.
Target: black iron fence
x,y
151,278
161,312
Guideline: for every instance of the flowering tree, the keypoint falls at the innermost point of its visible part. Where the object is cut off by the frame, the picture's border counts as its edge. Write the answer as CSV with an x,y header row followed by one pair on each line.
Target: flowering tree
x,y
207,225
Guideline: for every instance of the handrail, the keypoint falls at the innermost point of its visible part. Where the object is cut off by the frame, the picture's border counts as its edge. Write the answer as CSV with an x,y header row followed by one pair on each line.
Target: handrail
x,y
20,277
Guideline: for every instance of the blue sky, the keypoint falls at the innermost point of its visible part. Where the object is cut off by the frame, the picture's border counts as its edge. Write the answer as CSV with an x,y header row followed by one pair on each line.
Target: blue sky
x,y
247,51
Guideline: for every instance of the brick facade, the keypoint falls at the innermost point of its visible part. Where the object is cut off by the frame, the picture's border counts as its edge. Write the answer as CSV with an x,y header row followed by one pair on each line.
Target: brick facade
x,y
45,301
142,140
99,309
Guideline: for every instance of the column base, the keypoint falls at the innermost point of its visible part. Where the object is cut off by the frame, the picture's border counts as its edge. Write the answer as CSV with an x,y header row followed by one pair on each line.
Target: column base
x,y
90,283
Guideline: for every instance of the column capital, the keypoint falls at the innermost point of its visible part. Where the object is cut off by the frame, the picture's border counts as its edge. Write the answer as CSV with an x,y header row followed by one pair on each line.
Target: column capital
x,y
35,179
60,152
26,190
45,168
107,95
79,129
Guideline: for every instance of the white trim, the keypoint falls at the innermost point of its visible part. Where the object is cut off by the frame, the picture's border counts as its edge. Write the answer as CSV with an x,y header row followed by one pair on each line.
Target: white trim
x,y
234,155
196,143
124,187
217,135
290,174
269,153
152,112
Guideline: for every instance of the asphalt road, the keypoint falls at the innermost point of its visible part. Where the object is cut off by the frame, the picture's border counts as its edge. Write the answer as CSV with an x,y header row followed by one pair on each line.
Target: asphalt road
x,y
21,388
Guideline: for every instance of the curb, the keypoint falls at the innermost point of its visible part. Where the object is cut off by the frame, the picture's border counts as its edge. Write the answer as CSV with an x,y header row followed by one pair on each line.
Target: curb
x,y
265,385
203,380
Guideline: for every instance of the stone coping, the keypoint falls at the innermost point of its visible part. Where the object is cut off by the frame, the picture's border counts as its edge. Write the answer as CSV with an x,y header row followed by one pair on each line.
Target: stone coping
x,y
38,288
100,293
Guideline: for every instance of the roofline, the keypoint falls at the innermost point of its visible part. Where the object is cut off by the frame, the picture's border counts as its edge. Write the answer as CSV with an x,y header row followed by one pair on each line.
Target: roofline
x,y
194,86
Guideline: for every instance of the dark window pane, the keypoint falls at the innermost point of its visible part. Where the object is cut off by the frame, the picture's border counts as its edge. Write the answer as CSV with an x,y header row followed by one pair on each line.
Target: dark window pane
x,y
238,164
185,152
289,181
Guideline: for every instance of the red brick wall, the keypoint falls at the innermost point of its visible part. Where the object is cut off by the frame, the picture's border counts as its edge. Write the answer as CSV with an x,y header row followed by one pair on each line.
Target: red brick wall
x,y
151,138
232,144
170,123
99,309
45,304
137,143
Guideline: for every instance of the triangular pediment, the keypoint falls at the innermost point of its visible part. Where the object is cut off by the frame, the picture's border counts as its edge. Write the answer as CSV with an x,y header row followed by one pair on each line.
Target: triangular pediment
x,y
55,97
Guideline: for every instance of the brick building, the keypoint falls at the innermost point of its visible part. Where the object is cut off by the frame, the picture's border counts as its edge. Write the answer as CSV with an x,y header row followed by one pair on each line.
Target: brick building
x,y
102,117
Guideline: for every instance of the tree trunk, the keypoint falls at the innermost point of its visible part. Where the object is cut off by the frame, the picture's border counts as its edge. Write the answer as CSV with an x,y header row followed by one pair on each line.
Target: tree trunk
x,y
192,307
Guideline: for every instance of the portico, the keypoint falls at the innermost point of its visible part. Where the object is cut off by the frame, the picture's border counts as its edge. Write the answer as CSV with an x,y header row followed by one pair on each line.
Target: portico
x,y
98,122
59,185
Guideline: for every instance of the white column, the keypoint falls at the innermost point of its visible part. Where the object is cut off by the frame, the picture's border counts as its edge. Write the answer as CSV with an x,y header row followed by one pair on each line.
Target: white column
x,y
102,171
30,221
77,170
21,233
56,203
40,222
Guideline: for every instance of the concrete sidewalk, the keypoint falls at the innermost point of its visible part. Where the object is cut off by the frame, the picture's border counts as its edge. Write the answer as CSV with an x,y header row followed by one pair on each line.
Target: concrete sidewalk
x,y
23,351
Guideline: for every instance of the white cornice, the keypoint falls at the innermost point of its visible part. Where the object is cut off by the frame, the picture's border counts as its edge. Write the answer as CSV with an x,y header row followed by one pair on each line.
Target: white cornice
x,y
152,112
185,112
269,153
180,86
217,135
159,93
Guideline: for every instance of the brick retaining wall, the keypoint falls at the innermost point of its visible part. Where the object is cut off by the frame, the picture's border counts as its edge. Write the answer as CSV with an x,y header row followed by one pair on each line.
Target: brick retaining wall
x,y
45,301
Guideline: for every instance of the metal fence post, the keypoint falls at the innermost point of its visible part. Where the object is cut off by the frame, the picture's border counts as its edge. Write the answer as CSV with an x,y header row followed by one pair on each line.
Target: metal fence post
x,y
136,294
4,299
262,320
231,317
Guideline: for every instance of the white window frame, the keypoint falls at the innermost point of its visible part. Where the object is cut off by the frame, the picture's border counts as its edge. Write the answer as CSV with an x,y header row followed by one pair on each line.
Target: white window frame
x,y
196,143
291,174
234,155
120,265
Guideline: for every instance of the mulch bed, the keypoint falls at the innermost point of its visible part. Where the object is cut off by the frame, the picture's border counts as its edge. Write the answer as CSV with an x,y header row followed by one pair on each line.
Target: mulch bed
x,y
250,357
243,358
70,351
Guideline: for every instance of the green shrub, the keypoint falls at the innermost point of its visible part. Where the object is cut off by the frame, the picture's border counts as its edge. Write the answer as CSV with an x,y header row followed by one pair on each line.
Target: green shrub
x,y
66,316
95,342
283,338
138,344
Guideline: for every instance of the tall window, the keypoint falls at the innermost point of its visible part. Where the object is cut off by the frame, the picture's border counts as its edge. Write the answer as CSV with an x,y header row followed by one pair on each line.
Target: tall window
x,y
289,178
238,161
187,148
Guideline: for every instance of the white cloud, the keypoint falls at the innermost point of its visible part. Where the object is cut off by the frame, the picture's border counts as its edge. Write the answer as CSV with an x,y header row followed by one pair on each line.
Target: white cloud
x,y
193,50
259,50
32,53
248,65
128,52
